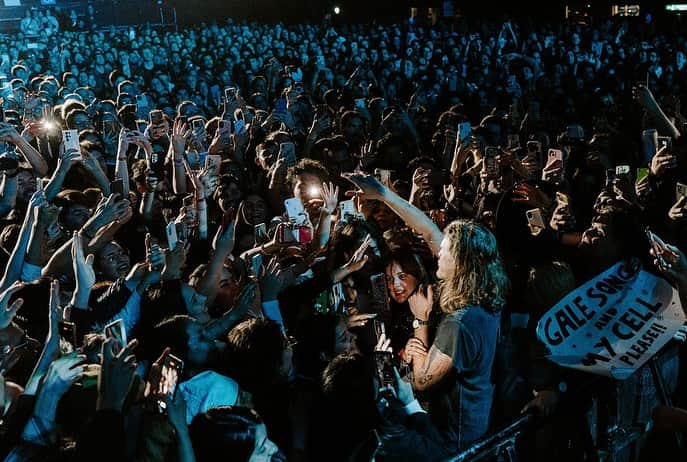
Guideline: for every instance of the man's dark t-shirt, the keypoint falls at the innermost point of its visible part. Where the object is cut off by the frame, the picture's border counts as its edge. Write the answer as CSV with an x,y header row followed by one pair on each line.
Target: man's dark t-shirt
x,y
461,402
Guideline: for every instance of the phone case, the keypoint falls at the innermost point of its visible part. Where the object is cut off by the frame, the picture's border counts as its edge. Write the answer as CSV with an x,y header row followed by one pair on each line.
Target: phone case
x,y
380,296
71,140
680,190
535,218
295,211
115,331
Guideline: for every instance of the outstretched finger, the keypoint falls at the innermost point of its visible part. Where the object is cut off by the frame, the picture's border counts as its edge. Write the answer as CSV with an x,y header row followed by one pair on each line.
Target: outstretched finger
x,y
126,351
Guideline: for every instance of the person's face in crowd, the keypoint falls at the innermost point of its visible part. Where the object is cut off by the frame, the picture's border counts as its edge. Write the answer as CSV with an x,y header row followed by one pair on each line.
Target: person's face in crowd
x,y
199,346
599,239
354,130
82,122
374,55
400,284
307,186
447,262
71,83
26,186
229,196
254,210
339,160
113,262
653,57
680,59
76,217
196,304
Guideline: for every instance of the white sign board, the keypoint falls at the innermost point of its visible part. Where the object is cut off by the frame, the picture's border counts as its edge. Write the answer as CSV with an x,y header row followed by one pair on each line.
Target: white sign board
x,y
614,323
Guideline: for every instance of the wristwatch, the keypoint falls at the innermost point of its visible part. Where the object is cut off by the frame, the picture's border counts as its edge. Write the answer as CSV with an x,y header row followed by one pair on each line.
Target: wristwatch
x,y
419,322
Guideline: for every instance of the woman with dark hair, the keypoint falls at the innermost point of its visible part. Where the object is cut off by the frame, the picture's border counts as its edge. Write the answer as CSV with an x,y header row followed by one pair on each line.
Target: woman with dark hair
x,y
237,432
405,272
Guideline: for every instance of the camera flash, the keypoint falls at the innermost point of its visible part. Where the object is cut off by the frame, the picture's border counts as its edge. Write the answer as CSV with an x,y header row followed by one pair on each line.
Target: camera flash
x,y
314,191
49,125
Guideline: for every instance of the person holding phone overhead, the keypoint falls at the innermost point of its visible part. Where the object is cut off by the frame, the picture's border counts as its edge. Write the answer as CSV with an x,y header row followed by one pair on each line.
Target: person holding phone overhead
x,y
472,289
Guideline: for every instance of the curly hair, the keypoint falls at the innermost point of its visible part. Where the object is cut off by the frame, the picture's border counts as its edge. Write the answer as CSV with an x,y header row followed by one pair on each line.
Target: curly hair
x,y
478,277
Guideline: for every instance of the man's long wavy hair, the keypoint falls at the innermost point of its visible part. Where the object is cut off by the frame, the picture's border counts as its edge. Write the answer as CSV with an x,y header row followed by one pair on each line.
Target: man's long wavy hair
x,y
478,277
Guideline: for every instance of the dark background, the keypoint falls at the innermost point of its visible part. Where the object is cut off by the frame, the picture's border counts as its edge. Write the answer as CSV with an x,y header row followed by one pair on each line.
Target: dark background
x,y
128,12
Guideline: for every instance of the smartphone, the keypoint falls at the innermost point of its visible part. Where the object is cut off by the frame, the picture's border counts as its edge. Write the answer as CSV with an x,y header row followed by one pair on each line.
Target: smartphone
x,y
650,142
182,234
110,127
490,164
288,151
256,265
39,184
171,233
360,104
115,331
384,365
170,373
641,174
380,296
513,141
70,138
535,218
680,191
622,170
287,234
197,125
665,141
189,202
657,245
348,208
574,132
239,126
555,160
380,328
464,131
610,176
259,232
384,176
230,93
141,101
295,211
117,187
213,161
68,334
156,117
338,298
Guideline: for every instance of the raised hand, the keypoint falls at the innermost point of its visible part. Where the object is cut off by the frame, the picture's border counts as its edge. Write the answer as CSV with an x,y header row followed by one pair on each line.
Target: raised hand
x,y
116,375
83,269
272,280
662,161
63,373
224,239
525,193
330,196
678,212
421,302
7,313
180,137
356,262
368,186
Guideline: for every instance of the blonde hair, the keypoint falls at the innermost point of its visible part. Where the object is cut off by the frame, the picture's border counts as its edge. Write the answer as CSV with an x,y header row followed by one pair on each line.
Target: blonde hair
x,y
478,277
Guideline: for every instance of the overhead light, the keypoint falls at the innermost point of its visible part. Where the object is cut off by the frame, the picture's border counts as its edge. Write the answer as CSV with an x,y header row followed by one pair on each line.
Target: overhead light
x,y
337,10
677,7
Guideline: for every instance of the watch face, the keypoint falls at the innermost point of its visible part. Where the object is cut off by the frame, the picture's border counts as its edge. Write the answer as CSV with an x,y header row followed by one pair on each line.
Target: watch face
x,y
416,324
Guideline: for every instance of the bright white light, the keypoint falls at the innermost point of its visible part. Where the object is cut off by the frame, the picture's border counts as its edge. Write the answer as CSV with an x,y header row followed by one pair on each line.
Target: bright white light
x,y
314,191
337,10
677,7
49,125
